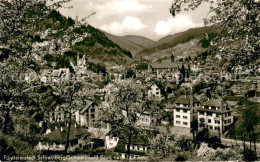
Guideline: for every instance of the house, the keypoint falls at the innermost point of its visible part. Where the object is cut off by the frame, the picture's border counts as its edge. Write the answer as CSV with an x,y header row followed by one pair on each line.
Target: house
x,y
111,140
46,76
57,115
60,74
56,139
145,119
185,110
88,115
138,148
166,66
215,115
156,91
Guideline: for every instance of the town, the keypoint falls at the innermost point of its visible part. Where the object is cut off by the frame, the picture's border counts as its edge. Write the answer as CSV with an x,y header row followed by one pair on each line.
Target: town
x,y
74,88
182,100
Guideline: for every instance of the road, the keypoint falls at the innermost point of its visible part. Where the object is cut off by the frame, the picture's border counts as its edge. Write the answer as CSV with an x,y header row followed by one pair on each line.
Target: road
x,y
238,142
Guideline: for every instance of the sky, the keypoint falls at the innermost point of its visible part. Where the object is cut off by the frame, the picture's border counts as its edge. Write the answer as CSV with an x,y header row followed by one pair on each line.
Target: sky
x,y
148,18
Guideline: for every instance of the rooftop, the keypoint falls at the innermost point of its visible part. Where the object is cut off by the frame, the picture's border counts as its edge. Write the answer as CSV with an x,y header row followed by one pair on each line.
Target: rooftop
x,y
165,65
186,99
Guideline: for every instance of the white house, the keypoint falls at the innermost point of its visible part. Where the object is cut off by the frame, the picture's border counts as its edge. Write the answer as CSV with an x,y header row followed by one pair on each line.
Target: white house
x,y
145,119
111,140
215,115
185,110
155,91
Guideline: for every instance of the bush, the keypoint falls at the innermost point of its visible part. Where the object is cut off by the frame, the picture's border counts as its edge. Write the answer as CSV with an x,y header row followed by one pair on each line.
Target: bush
x,y
142,66
181,158
249,155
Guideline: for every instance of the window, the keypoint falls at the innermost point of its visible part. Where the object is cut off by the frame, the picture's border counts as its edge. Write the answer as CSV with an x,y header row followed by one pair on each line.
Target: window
x,y
178,122
209,113
92,110
185,117
202,120
201,113
157,89
229,120
217,122
229,114
178,116
216,128
209,120
178,110
225,121
210,127
185,123
157,93
184,111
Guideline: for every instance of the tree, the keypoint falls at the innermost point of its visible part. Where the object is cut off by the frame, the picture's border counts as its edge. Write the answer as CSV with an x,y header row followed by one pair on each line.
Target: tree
x,y
236,19
232,133
125,112
25,38
70,97
250,122
162,146
182,74
194,128
172,58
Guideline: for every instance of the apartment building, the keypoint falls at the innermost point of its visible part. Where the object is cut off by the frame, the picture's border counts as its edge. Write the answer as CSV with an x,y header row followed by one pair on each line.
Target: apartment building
x,y
216,115
185,110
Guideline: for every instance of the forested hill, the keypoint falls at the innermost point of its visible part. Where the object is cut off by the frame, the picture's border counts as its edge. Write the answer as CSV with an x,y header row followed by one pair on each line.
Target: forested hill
x,y
96,47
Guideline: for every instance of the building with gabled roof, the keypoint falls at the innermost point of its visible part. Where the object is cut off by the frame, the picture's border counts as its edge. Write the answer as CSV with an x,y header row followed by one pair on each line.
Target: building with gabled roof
x,y
56,140
169,66
185,110
88,115
216,115
156,91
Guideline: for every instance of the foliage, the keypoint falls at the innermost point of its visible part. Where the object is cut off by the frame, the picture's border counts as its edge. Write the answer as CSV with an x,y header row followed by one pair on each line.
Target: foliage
x,y
185,144
30,31
181,158
125,112
249,155
205,42
237,20
198,87
142,66
130,74
97,68
161,146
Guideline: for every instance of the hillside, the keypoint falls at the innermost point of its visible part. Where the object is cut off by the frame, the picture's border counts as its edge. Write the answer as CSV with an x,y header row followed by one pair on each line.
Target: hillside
x,y
96,47
171,41
131,43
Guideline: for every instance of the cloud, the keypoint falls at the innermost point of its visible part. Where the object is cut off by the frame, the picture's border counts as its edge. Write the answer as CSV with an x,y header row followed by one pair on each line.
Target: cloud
x,y
129,24
126,5
174,25
115,7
